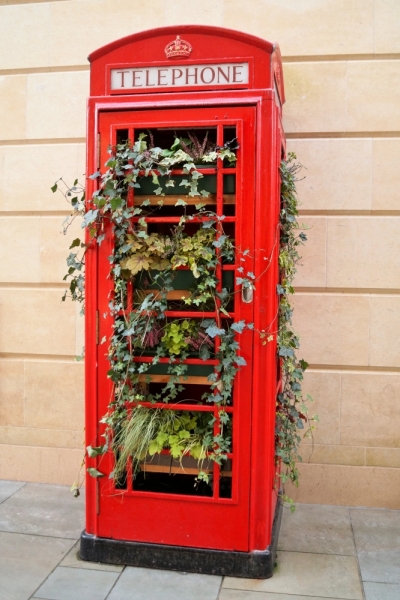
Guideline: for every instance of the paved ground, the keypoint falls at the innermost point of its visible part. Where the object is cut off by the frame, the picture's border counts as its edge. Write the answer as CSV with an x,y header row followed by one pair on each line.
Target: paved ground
x,y
324,552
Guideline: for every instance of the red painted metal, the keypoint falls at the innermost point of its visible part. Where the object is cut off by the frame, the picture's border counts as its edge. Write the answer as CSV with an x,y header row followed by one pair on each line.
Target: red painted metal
x,y
244,521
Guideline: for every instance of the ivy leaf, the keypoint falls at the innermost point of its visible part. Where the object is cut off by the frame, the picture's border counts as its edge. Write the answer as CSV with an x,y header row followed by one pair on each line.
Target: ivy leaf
x,y
90,217
95,175
96,450
220,241
239,326
180,202
54,188
116,203
94,472
286,352
75,243
204,352
145,203
240,361
213,331
208,224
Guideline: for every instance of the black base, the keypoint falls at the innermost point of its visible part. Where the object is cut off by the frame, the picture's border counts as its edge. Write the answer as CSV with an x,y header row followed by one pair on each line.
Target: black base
x,y
256,565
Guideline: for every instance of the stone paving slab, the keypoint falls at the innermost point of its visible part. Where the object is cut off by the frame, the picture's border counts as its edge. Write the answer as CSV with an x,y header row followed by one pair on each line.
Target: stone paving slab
x,y
245,595
381,591
25,561
74,561
377,537
318,529
382,566
306,574
40,509
40,525
152,584
83,584
376,529
8,488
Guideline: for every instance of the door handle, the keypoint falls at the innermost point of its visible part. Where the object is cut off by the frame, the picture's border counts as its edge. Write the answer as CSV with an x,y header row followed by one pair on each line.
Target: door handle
x,y
247,294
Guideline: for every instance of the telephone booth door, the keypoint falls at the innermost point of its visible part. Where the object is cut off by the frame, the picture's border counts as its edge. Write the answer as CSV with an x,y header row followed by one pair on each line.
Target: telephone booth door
x,y
162,502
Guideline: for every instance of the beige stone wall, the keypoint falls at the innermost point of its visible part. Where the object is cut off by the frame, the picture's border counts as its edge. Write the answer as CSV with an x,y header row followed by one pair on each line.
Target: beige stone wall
x,y
342,117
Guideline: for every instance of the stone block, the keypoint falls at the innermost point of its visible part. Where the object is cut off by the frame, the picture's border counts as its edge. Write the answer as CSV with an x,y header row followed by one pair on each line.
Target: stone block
x,y
369,410
54,395
334,329
11,393
42,165
56,105
35,321
337,175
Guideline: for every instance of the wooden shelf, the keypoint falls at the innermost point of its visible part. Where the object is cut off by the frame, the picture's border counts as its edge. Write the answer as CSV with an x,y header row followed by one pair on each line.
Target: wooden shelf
x,y
190,379
172,199
172,295
145,467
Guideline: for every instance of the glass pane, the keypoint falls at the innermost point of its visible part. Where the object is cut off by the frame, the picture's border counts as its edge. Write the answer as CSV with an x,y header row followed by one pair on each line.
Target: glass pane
x,y
225,482
122,136
161,473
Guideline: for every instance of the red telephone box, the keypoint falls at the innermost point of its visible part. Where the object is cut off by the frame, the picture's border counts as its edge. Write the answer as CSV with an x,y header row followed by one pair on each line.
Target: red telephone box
x,y
172,83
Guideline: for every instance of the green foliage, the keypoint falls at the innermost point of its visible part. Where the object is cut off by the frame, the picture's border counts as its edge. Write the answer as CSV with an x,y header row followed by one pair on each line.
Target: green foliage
x,y
292,413
176,336
75,196
133,431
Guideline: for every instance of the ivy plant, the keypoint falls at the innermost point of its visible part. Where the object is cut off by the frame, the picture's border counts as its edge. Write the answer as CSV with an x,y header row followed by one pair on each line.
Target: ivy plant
x,y
133,428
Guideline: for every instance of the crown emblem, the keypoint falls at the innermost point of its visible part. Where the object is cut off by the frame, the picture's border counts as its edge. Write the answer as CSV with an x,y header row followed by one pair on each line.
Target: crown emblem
x,y
178,48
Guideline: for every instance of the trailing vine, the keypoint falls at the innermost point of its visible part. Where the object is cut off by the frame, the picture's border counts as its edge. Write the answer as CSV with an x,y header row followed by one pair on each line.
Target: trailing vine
x,y
291,410
145,338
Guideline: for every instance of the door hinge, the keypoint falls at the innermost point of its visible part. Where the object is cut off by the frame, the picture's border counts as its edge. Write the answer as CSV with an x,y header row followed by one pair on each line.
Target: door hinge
x,y
98,150
97,497
97,328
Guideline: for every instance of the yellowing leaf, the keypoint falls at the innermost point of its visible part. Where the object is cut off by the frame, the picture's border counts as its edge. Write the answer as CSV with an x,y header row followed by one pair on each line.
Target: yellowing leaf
x,y
160,265
136,263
